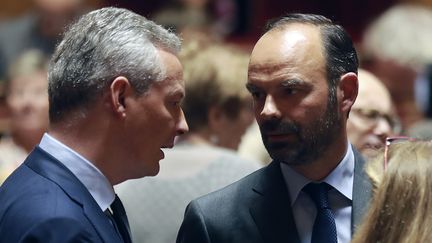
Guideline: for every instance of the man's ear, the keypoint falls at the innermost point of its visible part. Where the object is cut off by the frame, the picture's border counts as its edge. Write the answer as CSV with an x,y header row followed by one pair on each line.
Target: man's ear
x,y
347,91
119,89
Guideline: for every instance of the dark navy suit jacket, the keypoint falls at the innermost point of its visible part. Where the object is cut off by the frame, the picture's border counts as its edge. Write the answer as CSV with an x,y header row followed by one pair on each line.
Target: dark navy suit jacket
x,y
257,209
42,201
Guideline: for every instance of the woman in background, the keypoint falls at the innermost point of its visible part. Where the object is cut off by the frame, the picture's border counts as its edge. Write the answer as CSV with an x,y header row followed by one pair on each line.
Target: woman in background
x,y
401,208
27,99
217,105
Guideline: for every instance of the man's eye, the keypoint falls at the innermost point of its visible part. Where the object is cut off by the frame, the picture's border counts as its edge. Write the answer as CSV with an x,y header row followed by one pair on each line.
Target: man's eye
x,y
256,95
371,114
290,91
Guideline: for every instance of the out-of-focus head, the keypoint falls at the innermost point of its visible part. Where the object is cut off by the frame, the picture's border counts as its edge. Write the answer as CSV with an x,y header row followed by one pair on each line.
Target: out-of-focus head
x,y
194,3
401,34
302,76
59,7
115,64
397,44
27,95
217,102
372,116
402,196
55,15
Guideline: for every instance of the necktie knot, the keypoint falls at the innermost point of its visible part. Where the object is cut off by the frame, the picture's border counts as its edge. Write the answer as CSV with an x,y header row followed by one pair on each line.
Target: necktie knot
x,y
117,207
120,219
324,228
318,192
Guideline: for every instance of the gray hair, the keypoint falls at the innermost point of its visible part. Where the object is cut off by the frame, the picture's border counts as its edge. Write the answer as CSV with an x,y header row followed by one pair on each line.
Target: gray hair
x,y
99,47
403,33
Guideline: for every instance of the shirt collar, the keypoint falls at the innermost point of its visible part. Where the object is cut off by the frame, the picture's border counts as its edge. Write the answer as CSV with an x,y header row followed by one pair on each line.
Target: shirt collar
x,y
341,178
92,178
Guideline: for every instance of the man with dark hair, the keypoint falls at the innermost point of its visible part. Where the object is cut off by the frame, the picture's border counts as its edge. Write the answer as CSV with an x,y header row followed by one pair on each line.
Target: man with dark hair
x,y
303,79
115,85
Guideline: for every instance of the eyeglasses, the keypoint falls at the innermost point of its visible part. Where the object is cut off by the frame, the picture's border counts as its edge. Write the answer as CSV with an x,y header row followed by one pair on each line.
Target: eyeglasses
x,y
371,118
390,140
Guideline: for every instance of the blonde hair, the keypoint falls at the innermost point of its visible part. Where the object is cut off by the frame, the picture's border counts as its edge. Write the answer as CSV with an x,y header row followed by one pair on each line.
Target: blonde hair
x,y
215,76
28,62
401,208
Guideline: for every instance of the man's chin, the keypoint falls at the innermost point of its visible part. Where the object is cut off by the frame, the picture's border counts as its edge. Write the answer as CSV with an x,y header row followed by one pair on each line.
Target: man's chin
x,y
150,171
282,155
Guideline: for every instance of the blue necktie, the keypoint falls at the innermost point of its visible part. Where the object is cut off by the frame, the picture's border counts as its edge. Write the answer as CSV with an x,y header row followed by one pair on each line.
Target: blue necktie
x,y
120,219
324,228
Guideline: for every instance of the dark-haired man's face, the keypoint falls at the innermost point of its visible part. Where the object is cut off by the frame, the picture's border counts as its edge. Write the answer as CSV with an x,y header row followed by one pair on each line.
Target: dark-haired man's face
x,y
288,81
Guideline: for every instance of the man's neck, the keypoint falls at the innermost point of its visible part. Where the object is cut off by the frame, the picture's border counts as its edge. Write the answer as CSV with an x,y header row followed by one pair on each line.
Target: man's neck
x,y
325,164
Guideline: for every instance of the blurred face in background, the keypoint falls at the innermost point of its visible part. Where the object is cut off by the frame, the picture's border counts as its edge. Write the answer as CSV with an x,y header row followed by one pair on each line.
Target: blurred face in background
x,y
372,118
230,130
57,14
27,99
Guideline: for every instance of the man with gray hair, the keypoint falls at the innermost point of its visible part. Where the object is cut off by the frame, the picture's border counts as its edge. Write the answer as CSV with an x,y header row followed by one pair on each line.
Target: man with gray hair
x,y
115,85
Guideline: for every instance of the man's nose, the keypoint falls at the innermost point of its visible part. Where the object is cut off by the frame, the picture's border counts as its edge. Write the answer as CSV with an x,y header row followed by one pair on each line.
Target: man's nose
x,y
270,109
383,128
182,126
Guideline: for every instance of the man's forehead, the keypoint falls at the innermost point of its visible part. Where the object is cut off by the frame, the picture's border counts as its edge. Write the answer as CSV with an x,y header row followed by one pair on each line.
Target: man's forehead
x,y
290,35
265,68
298,39
372,92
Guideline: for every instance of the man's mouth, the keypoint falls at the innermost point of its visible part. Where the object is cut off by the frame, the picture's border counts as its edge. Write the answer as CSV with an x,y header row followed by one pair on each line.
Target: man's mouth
x,y
279,137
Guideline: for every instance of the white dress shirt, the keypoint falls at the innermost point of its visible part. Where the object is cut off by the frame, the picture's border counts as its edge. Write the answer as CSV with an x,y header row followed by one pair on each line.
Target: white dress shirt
x,y
92,178
340,197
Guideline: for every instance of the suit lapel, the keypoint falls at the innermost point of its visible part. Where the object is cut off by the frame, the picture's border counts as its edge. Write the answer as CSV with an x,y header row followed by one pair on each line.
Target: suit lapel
x,y
49,167
272,212
271,208
362,189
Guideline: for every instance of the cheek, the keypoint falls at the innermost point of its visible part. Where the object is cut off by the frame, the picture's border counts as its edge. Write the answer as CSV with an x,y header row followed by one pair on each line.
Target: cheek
x,y
356,132
257,108
42,107
162,123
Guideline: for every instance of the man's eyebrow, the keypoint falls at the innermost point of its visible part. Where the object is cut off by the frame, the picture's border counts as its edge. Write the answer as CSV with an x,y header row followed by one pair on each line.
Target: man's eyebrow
x,y
293,81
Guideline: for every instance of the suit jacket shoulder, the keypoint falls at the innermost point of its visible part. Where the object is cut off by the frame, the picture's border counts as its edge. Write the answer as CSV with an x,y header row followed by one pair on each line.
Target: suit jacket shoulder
x,y
254,209
257,209
42,201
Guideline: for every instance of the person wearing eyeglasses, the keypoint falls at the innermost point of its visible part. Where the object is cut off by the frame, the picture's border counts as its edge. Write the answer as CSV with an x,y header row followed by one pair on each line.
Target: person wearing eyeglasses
x,y
402,201
372,116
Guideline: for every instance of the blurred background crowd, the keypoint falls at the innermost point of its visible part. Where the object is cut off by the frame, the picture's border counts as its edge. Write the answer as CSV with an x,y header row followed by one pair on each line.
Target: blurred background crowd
x,y
392,37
